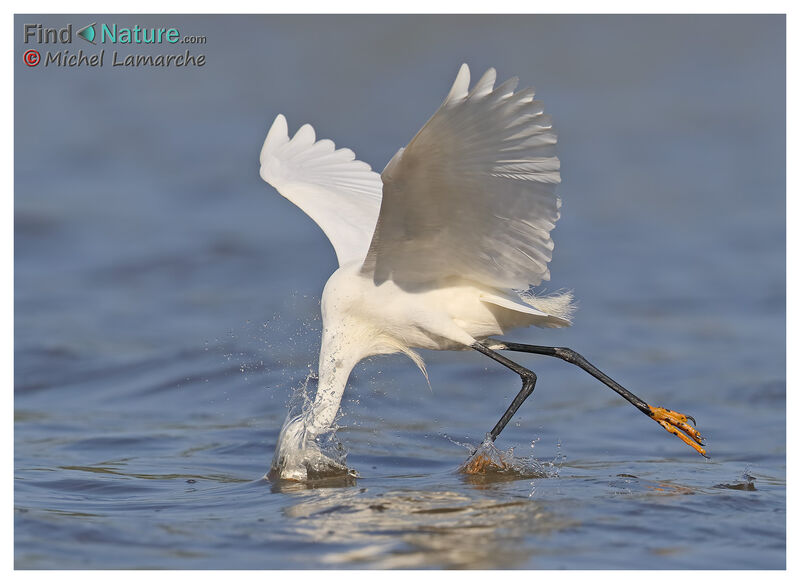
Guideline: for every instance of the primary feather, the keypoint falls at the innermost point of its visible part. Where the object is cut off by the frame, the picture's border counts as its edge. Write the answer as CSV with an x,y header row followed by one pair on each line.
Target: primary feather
x,y
473,193
341,194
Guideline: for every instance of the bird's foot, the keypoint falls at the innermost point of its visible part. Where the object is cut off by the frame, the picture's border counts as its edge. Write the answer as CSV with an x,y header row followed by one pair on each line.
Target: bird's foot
x,y
678,424
486,459
481,463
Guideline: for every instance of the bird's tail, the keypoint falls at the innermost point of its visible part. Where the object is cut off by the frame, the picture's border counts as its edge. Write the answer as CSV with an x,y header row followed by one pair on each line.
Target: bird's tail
x,y
559,305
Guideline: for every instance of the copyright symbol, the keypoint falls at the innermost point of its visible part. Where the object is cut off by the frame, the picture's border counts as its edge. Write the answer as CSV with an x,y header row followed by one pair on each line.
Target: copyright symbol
x,y
31,57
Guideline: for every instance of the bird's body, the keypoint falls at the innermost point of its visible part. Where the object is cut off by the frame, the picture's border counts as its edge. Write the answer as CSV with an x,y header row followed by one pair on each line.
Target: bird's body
x,y
451,315
362,319
437,252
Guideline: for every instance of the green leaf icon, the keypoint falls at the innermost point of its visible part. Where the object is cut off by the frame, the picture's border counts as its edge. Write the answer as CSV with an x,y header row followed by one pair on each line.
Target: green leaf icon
x,y
87,33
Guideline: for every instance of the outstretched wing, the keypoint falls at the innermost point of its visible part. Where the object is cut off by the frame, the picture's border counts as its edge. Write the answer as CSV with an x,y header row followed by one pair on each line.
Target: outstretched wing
x,y
473,193
341,194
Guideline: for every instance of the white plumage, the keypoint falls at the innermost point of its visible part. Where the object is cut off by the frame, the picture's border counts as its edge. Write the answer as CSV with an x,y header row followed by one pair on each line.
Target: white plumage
x,y
341,194
473,193
437,252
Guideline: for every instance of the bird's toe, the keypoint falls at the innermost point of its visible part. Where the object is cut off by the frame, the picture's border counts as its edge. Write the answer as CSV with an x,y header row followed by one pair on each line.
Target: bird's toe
x,y
678,425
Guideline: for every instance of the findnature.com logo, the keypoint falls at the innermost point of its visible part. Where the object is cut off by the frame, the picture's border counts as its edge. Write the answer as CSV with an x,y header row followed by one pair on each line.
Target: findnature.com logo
x,y
109,34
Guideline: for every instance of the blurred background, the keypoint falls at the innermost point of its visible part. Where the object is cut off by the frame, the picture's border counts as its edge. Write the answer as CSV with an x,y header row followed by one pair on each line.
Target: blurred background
x,y
167,300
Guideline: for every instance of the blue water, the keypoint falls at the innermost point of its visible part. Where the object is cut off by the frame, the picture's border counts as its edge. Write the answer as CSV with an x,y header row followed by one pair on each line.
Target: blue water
x,y
167,303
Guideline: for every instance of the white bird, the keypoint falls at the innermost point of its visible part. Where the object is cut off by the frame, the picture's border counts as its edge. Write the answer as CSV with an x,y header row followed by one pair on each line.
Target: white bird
x,y
439,251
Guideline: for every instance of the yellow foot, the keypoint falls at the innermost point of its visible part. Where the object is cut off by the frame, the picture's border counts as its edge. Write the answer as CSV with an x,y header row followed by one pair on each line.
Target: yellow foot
x,y
481,464
676,423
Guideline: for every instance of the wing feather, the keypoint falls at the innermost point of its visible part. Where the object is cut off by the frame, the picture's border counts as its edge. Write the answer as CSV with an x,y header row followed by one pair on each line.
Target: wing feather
x,y
473,193
341,194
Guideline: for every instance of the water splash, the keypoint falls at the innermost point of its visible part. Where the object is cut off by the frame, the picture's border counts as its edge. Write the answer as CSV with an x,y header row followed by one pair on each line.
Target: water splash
x,y
745,483
488,460
300,456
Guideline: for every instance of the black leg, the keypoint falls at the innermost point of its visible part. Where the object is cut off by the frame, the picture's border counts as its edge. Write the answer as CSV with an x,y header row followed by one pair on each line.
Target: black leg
x,y
668,419
528,383
571,356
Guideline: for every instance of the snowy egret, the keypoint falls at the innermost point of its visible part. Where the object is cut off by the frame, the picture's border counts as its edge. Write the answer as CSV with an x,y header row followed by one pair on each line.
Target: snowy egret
x,y
439,251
